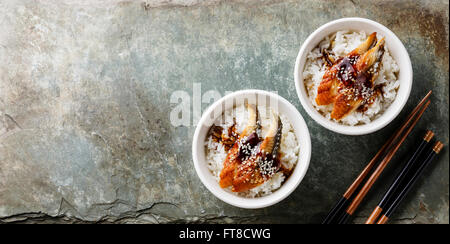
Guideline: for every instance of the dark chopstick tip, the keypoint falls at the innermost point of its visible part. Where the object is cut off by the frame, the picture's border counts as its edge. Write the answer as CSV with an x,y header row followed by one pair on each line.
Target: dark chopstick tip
x,y
438,147
428,136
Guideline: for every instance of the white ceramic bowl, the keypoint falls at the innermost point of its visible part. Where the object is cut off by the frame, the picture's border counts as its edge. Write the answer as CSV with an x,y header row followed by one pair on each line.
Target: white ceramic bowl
x,y
253,97
397,51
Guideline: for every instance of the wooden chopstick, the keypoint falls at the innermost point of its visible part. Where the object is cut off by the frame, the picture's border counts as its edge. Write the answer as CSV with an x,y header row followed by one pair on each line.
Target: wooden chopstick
x,y
400,177
342,204
365,189
387,145
393,206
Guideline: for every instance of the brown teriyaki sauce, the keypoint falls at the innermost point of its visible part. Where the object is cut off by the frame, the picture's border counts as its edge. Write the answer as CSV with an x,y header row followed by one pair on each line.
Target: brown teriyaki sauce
x,y
359,83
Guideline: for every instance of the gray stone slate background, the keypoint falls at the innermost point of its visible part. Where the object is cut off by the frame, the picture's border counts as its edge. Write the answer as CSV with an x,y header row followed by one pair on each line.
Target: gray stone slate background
x,y
85,91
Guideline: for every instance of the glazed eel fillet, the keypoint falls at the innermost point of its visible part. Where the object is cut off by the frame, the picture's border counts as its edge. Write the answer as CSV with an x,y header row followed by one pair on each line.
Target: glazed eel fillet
x,y
250,162
248,137
348,83
261,165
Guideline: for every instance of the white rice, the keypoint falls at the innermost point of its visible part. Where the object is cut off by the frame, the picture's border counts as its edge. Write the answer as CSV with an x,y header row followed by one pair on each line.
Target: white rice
x,y
345,42
289,148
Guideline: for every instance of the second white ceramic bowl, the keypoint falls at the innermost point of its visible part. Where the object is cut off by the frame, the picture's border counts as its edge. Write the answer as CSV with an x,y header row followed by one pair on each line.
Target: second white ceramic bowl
x,y
253,97
397,51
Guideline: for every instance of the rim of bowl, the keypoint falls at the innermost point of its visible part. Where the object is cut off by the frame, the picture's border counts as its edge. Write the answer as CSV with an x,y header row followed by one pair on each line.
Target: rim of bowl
x,y
288,186
394,108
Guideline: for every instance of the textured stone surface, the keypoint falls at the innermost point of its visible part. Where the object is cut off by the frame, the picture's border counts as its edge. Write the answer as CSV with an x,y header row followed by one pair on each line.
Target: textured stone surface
x,y
85,92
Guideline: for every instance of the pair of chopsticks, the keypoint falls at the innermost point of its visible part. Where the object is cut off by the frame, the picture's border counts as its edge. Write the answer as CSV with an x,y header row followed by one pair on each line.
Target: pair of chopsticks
x,y
341,212
404,181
